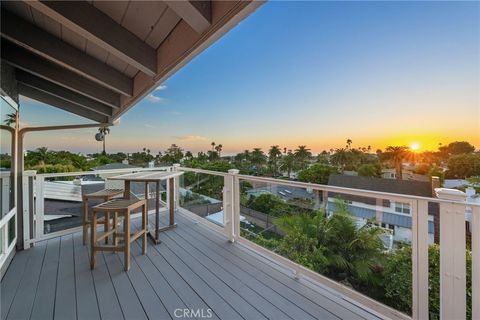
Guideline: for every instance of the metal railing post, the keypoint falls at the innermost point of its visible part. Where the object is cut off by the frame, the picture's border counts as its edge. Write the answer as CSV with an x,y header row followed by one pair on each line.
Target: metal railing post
x,y
452,254
231,205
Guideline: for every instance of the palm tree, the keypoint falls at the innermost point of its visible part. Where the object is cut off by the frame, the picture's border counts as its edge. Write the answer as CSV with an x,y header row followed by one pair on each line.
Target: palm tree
x,y
333,245
104,131
349,143
43,155
218,148
257,157
397,154
288,163
213,145
247,154
340,158
302,153
11,119
273,155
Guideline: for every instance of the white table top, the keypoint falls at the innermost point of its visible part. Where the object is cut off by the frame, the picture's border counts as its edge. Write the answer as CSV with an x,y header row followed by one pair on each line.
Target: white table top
x,y
147,176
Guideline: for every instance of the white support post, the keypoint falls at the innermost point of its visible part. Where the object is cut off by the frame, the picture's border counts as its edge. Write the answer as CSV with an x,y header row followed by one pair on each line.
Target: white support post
x,y
475,228
452,254
27,200
39,208
420,259
231,205
176,196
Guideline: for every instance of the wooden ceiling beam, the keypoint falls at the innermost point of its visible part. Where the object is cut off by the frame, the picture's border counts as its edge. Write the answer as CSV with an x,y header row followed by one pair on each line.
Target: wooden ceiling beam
x,y
51,100
24,60
50,47
97,27
61,92
198,14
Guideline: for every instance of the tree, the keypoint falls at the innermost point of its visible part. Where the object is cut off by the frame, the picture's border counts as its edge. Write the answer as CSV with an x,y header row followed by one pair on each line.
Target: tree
x,y
288,163
398,280
369,170
258,158
218,148
173,154
213,145
302,154
189,155
11,119
396,155
463,166
318,173
349,143
455,148
333,245
104,131
340,158
274,155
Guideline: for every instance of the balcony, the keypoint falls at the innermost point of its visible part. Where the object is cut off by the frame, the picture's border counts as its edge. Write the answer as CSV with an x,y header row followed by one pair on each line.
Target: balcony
x,y
195,269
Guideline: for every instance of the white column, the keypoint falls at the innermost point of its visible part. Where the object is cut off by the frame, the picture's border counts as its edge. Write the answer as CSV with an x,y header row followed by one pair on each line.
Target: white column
x,y
231,205
419,211
176,167
39,208
452,254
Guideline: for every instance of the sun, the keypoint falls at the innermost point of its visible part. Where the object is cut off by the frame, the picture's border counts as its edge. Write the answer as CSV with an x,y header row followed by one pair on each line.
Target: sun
x,y
415,146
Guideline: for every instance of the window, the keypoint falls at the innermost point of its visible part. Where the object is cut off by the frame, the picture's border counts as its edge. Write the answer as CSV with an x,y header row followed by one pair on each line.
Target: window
x,y
401,207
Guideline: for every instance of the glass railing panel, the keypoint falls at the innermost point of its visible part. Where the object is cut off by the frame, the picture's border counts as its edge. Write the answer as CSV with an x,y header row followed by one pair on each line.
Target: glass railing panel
x,y
359,241
63,206
202,194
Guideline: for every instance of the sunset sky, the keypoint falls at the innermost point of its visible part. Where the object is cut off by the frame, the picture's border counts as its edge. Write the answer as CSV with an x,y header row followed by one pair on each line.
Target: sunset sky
x,y
310,73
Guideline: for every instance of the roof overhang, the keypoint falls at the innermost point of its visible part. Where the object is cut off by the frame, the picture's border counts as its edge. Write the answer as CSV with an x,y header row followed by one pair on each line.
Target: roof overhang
x,y
97,59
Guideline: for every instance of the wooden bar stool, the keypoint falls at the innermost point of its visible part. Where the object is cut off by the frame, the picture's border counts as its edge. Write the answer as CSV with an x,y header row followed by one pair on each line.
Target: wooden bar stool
x,y
119,207
105,195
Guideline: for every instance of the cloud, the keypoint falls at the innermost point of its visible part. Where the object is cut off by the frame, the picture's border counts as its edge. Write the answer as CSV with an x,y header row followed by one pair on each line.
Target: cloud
x,y
190,138
146,125
154,99
161,87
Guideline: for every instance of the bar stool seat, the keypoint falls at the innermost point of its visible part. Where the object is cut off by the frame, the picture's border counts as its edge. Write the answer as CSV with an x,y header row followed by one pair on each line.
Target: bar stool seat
x,y
105,195
124,208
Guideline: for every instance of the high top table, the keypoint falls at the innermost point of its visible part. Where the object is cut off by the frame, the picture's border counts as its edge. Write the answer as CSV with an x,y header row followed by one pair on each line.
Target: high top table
x,y
156,177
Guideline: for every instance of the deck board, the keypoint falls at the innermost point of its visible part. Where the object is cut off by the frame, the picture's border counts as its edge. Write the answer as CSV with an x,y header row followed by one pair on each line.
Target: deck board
x,y
264,273
43,307
25,296
194,268
87,305
11,281
66,299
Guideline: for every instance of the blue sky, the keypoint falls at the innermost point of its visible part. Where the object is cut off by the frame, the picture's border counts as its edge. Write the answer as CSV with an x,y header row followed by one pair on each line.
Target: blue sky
x,y
314,73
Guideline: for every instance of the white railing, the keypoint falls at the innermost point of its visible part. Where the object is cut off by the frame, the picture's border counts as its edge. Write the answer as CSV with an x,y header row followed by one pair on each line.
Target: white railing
x,y
43,189
452,245
452,240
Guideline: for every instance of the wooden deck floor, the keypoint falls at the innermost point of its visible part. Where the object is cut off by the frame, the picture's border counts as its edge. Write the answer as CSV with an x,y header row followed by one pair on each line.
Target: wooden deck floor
x,y
194,268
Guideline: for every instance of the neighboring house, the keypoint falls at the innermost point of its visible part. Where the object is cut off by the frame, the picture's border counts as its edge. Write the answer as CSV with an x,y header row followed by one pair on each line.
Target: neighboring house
x,y
114,166
406,175
455,183
392,215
